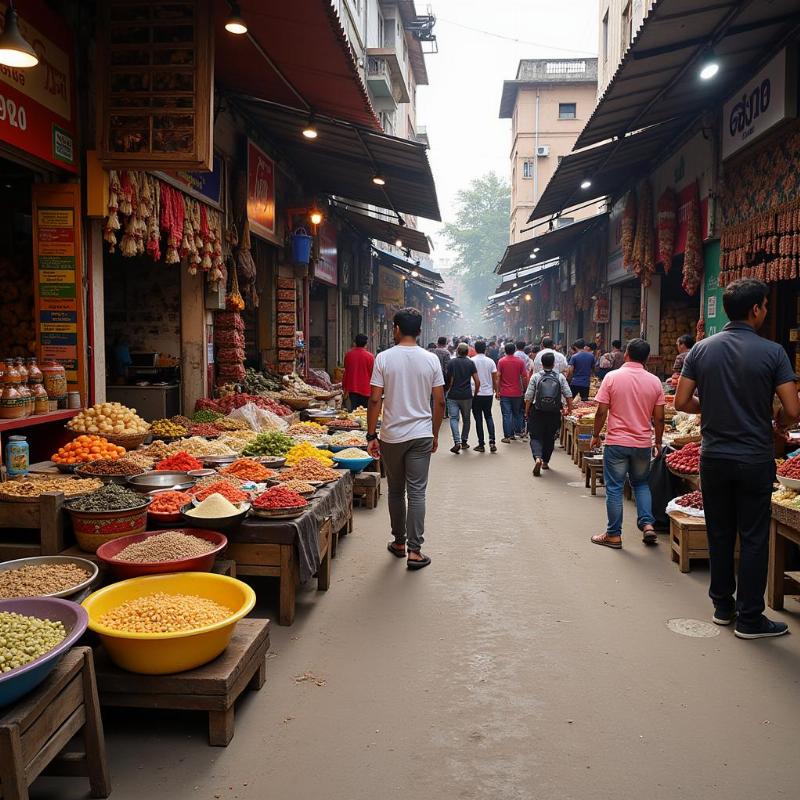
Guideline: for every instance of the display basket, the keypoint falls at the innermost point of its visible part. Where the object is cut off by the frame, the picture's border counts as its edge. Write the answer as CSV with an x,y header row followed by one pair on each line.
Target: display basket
x,y
786,516
128,441
681,441
297,403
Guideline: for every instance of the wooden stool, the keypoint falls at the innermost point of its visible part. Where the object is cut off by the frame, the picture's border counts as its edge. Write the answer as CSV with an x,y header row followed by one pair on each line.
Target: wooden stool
x,y
213,687
366,489
594,472
38,727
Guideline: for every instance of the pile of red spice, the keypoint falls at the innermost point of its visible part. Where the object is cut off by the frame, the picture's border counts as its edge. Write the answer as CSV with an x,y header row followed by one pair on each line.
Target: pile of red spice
x,y
180,462
169,502
225,489
279,497
206,429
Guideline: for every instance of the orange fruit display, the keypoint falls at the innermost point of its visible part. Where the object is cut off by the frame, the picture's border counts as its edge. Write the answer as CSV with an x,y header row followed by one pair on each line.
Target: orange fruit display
x,y
86,448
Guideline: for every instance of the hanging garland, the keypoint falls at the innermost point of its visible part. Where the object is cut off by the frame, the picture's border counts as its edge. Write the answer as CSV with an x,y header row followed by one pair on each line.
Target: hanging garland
x,y
667,224
145,208
644,264
693,254
628,230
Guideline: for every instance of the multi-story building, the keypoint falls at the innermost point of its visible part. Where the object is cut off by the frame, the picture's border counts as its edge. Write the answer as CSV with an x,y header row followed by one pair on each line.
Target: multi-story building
x,y
619,21
548,104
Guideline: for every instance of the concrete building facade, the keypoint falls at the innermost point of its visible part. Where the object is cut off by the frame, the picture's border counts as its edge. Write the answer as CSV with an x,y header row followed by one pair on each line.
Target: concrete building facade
x,y
619,22
548,104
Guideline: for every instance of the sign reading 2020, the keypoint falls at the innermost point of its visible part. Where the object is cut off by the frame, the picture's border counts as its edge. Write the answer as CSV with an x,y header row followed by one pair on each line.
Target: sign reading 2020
x,y
767,99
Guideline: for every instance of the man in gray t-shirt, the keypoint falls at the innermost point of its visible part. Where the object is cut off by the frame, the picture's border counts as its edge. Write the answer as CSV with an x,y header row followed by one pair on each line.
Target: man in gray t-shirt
x,y
737,374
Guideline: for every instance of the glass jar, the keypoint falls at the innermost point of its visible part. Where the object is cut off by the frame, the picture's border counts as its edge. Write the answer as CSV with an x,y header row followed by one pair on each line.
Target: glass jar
x,y
23,373
12,406
34,373
55,380
41,402
17,456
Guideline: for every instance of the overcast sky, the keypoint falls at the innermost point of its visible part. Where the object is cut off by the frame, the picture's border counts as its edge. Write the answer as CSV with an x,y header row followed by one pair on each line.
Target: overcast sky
x,y
460,106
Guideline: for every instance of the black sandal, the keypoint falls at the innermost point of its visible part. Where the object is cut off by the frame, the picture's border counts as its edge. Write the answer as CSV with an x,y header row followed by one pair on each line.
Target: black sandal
x,y
394,551
415,564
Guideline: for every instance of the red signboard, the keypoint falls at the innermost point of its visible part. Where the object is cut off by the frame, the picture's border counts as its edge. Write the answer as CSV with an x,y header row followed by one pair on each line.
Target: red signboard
x,y
327,268
260,192
37,105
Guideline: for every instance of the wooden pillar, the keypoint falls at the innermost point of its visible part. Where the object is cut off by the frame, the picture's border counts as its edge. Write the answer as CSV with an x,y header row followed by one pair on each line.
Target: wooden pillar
x,y
194,372
95,319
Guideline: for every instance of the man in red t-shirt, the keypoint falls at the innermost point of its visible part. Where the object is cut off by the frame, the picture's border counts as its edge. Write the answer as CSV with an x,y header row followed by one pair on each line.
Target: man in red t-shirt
x,y
358,364
511,385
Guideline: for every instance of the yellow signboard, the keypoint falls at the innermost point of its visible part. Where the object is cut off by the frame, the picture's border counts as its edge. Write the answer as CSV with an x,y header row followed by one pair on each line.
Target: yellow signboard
x,y
391,287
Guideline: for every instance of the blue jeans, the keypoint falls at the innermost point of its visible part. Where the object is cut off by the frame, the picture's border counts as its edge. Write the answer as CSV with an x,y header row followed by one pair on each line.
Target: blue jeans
x,y
513,416
633,463
462,409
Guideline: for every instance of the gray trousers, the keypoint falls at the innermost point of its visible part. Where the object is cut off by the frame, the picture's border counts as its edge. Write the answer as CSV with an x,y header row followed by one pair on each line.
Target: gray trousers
x,y
406,465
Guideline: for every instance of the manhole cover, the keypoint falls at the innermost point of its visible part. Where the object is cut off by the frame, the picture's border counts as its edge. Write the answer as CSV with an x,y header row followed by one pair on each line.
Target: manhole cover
x,y
693,627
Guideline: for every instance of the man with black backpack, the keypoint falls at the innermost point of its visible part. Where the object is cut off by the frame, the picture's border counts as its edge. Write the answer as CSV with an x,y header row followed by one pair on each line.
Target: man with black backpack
x,y
543,408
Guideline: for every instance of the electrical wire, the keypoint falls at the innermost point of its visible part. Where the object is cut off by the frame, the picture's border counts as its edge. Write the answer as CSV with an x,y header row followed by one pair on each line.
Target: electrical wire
x,y
548,45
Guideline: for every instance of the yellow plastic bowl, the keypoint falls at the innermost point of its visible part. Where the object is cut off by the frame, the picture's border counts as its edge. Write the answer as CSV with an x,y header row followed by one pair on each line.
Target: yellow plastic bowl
x,y
162,653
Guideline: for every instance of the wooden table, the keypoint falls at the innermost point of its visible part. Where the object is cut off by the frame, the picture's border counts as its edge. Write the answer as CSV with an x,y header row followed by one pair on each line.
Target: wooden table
x,y
780,581
214,687
37,728
594,472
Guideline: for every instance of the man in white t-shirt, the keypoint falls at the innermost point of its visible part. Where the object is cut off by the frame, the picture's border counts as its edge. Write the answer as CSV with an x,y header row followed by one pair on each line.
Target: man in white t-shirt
x,y
482,402
404,379
547,347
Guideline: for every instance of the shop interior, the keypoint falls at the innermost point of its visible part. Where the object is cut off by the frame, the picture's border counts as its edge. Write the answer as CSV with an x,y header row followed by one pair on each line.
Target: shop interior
x,y
679,314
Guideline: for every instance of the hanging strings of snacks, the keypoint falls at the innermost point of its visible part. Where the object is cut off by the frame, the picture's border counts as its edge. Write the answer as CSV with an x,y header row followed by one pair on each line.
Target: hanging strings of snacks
x,y
628,229
693,254
643,259
145,208
667,225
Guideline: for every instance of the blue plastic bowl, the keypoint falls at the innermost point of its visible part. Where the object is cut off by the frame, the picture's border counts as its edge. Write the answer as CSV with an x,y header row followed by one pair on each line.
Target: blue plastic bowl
x,y
353,464
335,448
21,680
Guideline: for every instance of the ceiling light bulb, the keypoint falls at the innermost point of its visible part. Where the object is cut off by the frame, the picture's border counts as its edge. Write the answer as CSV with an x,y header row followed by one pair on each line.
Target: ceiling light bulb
x,y
379,180
15,49
398,242
315,216
515,284
709,70
310,132
586,183
235,24
528,297
414,273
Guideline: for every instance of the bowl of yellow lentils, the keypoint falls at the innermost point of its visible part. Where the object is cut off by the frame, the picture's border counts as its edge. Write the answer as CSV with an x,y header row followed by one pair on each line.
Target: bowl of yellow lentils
x,y
161,624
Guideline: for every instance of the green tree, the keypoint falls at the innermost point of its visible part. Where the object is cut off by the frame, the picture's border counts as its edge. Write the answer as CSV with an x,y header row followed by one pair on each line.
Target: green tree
x,y
479,236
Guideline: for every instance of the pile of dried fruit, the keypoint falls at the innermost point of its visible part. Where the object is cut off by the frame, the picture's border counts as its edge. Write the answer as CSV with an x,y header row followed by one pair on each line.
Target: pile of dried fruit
x,y
790,468
279,497
207,429
309,469
35,486
249,470
86,448
344,424
108,466
686,460
691,500
305,429
180,462
298,486
169,502
167,428
36,580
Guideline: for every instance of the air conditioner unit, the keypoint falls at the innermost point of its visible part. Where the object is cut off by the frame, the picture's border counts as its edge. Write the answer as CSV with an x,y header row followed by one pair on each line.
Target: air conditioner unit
x,y
542,151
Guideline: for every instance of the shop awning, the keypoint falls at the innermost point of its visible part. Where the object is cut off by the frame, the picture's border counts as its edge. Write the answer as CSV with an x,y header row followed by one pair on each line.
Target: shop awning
x,y
548,246
344,158
423,275
610,167
522,280
383,230
307,44
658,79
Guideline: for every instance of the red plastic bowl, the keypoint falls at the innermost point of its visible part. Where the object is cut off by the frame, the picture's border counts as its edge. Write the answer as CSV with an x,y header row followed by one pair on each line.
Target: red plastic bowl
x,y
132,569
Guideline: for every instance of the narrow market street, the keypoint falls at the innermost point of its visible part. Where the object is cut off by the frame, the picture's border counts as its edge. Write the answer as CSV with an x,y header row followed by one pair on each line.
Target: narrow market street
x,y
525,663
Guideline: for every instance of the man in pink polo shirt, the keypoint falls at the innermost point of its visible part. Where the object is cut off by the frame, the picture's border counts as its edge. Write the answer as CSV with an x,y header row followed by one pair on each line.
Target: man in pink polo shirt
x,y
633,402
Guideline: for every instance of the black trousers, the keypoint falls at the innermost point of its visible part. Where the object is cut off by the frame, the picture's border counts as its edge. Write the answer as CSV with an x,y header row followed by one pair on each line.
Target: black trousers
x,y
736,498
580,391
543,427
482,409
357,400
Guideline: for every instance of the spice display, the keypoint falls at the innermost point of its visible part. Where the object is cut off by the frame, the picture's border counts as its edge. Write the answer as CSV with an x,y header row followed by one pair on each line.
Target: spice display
x,y
693,254
352,452
24,639
180,462
279,497
691,500
164,613
686,460
180,419
210,479
111,497
249,470
140,459
220,487
790,468
307,450
628,229
109,418
110,466
298,486
167,428
273,443
237,440
344,424
214,507
309,469
686,424
204,429
87,448
34,486
257,382
156,450
305,429
348,438
166,546
206,415
170,502
643,261
35,580
228,424
194,446
786,497
234,401
667,226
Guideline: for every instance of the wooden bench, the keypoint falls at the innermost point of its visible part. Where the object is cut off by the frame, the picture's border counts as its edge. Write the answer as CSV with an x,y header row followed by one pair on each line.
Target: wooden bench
x,y
214,687
35,731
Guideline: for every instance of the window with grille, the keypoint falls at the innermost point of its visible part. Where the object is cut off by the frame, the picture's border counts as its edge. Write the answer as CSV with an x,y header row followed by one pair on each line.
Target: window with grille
x,y
527,169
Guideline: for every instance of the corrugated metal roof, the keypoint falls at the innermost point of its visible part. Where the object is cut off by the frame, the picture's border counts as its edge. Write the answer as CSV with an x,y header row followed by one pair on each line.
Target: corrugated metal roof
x,y
424,276
385,231
343,159
608,166
658,79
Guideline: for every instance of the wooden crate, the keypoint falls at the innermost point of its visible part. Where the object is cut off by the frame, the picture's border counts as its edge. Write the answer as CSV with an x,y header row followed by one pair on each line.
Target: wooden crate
x,y
688,539
35,731
594,472
32,529
366,489
214,687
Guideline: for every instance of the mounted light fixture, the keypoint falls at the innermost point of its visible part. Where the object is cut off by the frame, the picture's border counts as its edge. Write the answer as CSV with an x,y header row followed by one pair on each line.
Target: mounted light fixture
x,y
515,285
378,179
310,130
398,242
315,215
15,49
414,273
528,298
235,24
709,65
586,183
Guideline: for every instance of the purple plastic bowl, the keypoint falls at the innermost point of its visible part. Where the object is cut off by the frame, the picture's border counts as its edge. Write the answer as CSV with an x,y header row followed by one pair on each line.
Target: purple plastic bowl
x,y
21,680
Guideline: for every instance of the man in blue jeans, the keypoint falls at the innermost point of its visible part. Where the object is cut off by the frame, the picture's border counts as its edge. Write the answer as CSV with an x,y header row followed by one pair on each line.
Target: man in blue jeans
x,y
632,400
512,380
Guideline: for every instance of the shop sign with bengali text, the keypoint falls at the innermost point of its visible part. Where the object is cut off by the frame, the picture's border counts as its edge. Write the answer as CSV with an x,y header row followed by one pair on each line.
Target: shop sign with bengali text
x,y
326,268
391,287
260,192
58,278
765,100
37,105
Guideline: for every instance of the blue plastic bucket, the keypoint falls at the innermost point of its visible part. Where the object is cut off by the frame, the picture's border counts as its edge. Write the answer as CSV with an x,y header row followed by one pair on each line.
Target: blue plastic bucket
x,y
301,246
